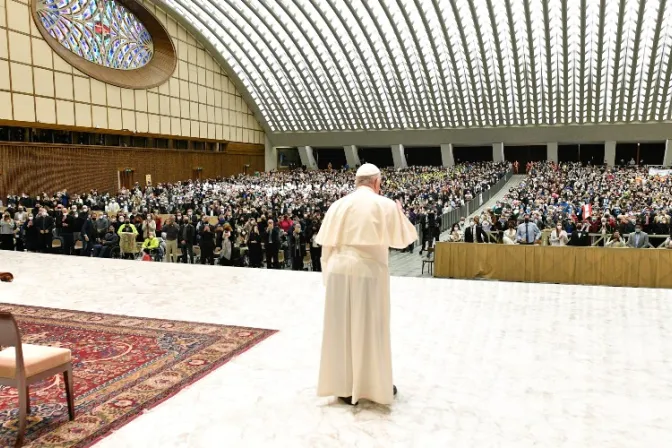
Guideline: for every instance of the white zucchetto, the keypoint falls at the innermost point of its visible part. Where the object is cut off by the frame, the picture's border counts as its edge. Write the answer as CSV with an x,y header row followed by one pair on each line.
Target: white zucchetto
x,y
368,169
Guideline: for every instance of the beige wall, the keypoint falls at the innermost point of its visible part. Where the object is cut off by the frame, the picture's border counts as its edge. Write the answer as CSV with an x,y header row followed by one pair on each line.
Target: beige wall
x,y
36,85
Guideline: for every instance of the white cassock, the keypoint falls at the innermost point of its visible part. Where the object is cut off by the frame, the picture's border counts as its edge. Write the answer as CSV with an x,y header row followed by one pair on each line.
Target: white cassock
x,y
355,236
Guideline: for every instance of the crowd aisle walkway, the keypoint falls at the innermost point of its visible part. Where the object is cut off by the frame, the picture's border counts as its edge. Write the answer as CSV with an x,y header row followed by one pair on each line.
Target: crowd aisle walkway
x,y
513,182
404,264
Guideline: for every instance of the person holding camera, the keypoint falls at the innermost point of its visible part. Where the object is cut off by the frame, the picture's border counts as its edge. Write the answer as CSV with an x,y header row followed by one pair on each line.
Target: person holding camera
x,y
297,246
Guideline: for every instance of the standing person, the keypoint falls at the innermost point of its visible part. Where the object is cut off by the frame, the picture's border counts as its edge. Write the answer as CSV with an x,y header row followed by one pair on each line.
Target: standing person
x,y
638,239
272,241
172,231
45,225
315,249
227,247
32,235
187,235
254,245
88,235
528,232
474,233
67,230
559,236
102,224
297,245
7,228
355,236
207,245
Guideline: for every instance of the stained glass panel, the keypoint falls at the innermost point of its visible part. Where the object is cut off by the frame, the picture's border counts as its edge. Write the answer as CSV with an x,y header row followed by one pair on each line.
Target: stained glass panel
x,y
101,31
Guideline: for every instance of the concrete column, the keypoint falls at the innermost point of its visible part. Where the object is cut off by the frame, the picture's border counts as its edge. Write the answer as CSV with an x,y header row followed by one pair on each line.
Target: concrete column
x,y
552,152
447,158
498,152
271,156
352,156
398,156
307,157
610,153
667,159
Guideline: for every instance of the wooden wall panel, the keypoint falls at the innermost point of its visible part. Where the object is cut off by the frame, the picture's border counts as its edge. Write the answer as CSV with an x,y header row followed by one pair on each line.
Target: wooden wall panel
x,y
33,168
645,268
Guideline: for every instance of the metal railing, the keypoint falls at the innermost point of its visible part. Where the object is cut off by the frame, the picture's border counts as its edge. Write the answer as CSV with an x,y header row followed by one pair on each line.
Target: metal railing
x,y
453,216
495,236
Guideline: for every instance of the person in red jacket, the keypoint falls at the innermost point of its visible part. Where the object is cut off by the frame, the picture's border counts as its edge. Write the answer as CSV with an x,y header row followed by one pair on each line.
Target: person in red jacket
x,y
285,224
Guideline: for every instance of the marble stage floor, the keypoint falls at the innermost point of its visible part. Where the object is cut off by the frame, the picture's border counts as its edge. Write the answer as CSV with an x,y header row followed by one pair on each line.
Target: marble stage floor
x,y
478,364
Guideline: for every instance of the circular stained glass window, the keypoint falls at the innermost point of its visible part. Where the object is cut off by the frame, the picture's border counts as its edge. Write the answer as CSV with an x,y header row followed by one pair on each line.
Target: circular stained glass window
x,y
101,31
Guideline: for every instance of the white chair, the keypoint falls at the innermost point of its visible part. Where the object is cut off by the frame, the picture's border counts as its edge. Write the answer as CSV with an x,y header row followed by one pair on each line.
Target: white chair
x,y
24,364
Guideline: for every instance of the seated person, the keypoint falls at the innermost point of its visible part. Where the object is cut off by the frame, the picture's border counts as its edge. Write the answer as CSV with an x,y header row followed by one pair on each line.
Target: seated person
x,y
152,245
667,244
145,255
615,240
456,235
103,249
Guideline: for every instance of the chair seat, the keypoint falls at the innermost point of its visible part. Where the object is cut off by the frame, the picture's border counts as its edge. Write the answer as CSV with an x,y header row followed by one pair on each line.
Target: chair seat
x,y
36,359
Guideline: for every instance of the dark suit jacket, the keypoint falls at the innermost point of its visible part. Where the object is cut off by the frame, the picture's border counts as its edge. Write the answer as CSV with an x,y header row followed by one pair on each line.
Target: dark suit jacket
x,y
299,240
580,239
481,236
44,222
275,236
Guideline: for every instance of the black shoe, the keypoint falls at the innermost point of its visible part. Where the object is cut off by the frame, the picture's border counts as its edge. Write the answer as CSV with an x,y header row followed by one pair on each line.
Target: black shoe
x,y
347,400
394,390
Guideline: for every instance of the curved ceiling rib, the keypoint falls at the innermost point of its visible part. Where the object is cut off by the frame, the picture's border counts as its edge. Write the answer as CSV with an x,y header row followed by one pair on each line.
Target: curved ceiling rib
x,y
359,89
206,27
328,65
359,58
245,42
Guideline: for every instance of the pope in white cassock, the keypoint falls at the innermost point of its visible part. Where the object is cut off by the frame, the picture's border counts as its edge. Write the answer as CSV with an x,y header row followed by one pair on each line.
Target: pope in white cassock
x,y
355,236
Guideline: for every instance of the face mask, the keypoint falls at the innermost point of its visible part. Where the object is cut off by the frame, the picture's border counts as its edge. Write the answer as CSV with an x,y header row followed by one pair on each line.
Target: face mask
x,y
638,230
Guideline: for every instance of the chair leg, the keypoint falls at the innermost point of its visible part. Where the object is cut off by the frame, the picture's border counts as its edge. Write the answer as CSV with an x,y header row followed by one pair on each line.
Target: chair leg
x,y
69,392
28,400
23,405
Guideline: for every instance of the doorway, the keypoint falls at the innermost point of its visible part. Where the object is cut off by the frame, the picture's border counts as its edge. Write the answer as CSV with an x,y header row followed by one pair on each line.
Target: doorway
x,y
126,179
525,154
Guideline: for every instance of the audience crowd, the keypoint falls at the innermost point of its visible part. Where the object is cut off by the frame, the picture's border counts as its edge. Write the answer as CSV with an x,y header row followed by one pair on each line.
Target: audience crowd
x,y
580,205
269,218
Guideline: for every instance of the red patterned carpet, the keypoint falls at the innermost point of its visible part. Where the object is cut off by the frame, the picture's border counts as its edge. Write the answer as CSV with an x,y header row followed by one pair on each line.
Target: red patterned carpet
x,y
122,366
